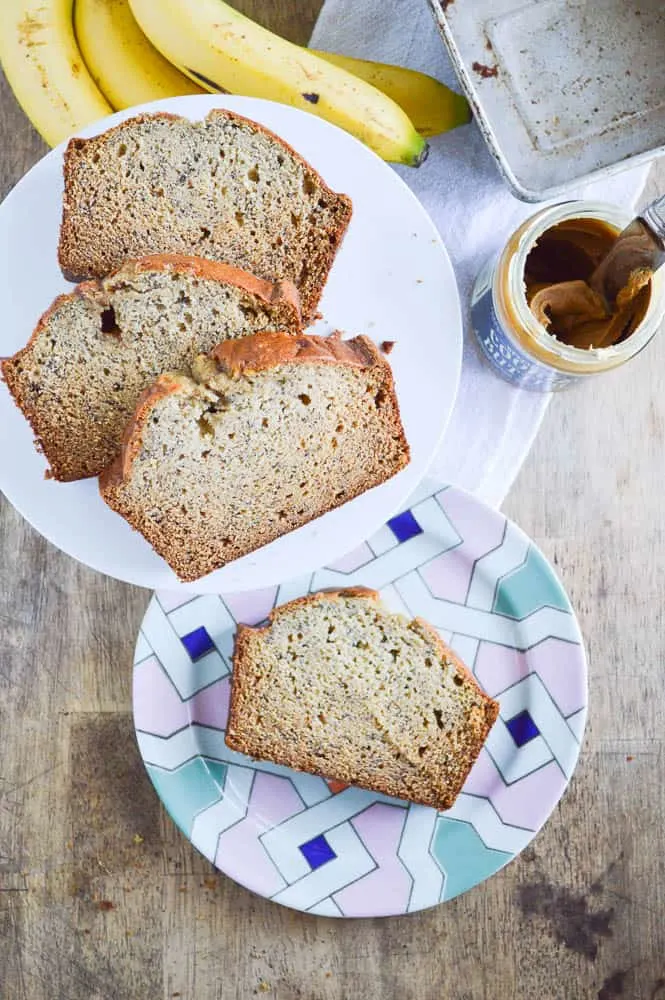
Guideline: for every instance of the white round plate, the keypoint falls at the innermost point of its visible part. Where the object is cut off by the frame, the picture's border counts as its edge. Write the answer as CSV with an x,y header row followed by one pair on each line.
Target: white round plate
x,y
392,280
329,849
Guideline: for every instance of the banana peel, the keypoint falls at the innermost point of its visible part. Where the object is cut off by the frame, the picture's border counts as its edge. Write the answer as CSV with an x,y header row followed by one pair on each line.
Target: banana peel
x,y
126,67
45,69
432,107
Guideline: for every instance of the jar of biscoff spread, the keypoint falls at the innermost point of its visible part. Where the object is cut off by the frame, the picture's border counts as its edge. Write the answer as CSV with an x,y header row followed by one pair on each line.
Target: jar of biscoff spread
x,y
533,318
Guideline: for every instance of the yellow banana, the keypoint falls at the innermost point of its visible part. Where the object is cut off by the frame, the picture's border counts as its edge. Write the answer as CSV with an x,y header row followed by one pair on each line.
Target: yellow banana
x,y
432,107
42,62
126,67
222,49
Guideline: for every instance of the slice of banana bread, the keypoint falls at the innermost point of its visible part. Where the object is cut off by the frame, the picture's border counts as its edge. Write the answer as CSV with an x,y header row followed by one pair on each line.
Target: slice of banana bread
x,y
224,188
337,685
79,377
272,432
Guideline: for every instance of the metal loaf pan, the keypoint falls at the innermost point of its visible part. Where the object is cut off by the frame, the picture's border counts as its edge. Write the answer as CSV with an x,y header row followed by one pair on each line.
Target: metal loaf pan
x,y
563,90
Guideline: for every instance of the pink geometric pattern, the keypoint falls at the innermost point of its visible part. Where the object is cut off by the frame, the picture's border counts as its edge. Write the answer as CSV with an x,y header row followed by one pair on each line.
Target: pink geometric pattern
x,y
251,606
210,707
170,600
379,828
521,802
555,662
158,707
449,575
498,666
272,801
352,560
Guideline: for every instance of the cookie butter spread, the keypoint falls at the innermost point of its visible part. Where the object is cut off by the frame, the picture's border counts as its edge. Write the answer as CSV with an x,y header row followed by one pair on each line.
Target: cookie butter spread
x,y
556,276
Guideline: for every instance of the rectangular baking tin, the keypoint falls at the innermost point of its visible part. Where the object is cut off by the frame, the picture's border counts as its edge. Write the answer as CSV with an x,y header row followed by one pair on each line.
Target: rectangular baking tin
x,y
562,90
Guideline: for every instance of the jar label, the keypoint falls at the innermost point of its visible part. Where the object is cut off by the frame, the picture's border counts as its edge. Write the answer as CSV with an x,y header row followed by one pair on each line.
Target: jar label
x,y
501,351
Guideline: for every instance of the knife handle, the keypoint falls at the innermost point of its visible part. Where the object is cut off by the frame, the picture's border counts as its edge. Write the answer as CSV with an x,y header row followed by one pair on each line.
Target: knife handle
x,y
654,217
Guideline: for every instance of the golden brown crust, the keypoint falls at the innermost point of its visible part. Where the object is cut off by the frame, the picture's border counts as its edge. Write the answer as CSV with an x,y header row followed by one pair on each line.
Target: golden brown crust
x,y
243,637
490,706
270,292
245,681
132,438
319,595
267,350
10,375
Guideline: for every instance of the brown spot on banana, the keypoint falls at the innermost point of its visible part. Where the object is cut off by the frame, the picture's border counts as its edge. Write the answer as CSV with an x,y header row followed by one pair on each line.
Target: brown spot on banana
x,y
206,81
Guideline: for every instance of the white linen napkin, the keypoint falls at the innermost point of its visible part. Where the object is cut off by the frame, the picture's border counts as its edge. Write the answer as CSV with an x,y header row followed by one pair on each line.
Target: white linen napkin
x,y
493,424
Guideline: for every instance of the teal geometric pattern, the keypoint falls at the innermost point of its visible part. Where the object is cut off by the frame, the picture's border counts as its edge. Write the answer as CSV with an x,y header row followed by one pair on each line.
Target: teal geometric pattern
x,y
217,770
188,788
528,588
463,856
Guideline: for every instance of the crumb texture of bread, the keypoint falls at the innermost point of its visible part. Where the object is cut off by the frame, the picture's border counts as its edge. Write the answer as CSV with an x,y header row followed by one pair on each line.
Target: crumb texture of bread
x,y
339,686
225,188
217,465
92,354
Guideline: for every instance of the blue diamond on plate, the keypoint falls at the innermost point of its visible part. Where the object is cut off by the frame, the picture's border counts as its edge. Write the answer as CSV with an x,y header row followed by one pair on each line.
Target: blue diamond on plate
x,y
404,526
197,643
317,852
522,728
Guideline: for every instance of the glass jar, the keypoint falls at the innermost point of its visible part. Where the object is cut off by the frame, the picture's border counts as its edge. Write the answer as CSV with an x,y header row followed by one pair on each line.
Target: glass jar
x,y
511,339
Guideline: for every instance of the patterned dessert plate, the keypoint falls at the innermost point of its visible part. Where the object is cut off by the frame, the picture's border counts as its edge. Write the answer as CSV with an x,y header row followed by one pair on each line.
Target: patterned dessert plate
x,y
339,851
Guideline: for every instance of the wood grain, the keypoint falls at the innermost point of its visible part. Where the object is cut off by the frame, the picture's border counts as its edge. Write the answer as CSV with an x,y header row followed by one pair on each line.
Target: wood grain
x,y
102,899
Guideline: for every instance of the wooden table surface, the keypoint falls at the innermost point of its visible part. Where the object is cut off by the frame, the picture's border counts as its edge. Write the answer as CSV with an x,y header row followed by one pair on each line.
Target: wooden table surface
x,y
91,911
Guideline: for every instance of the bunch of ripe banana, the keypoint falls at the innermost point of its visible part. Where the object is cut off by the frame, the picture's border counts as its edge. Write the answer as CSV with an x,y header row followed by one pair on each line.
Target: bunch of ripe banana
x,y
71,62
